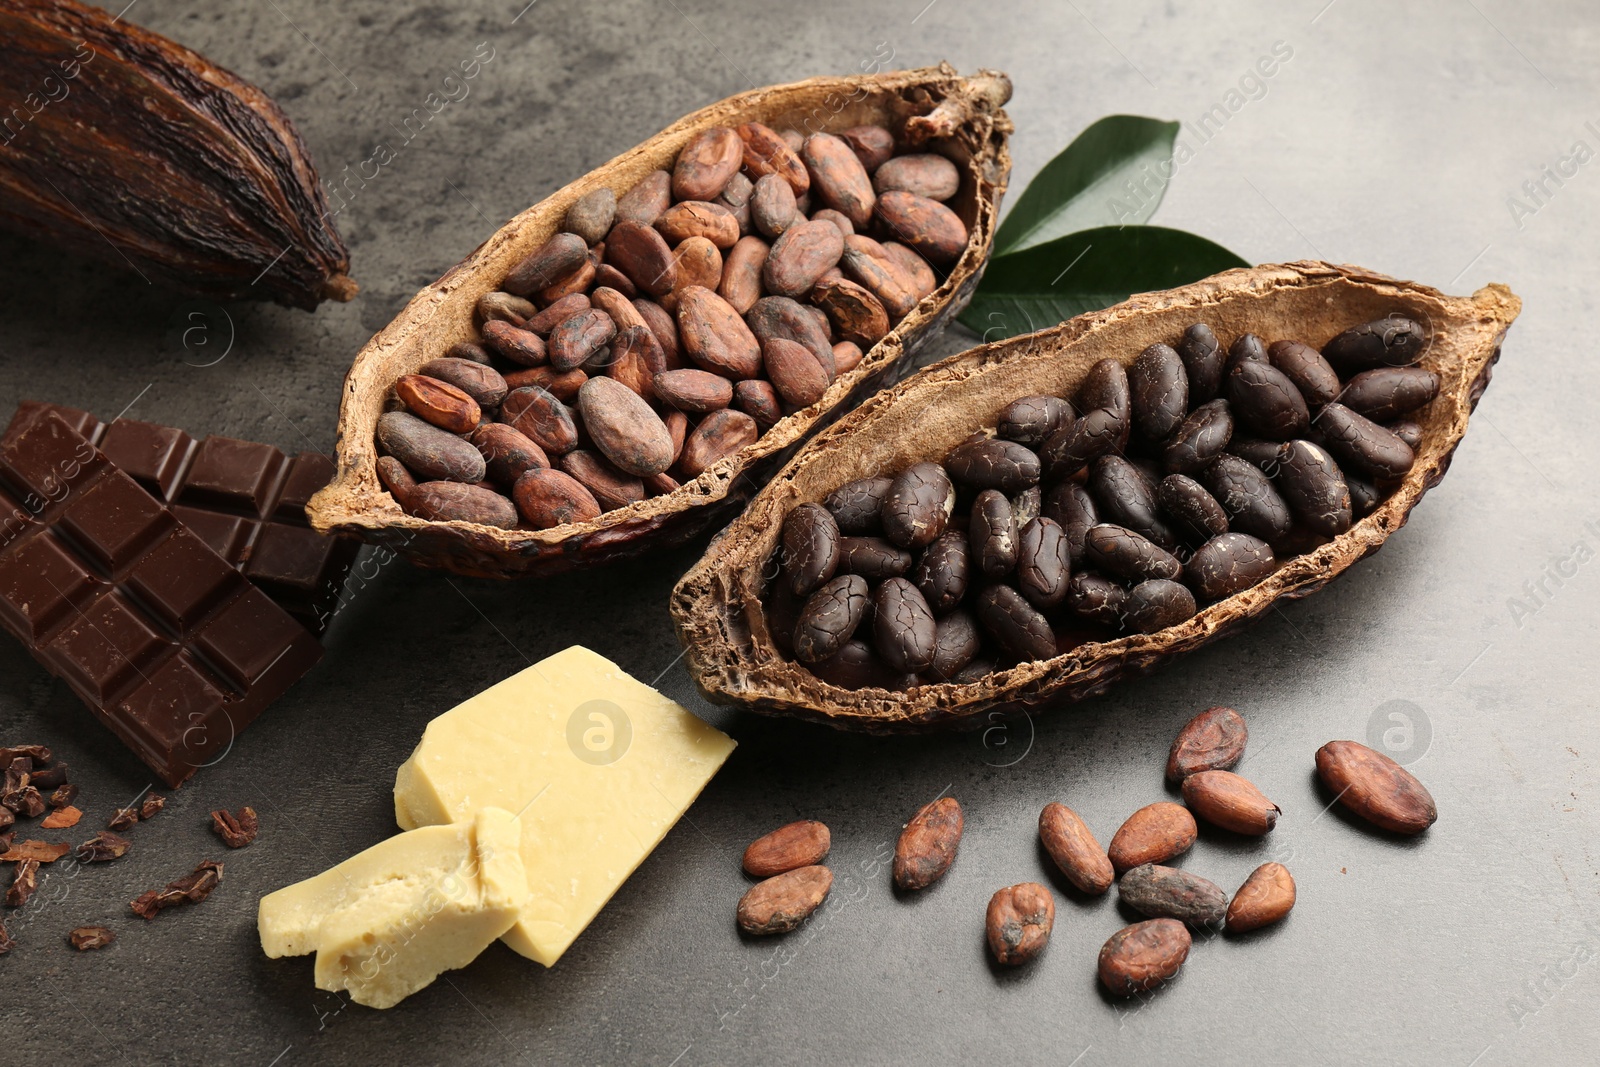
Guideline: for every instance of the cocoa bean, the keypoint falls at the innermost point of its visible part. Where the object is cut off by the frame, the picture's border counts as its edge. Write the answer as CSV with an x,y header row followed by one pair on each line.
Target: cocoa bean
x,y
642,254
543,418
633,351
395,478
766,152
507,452
782,902
645,202
1153,834
458,502
1018,922
918,506
799,844
810,548
882,278
706,163
549,498
591,215
574,283
719,434
927,845
827,214
1375,787
563,385
439,403
1170,893
859,315
551,261
1213,740
577,339
1068,840
874,558
1138,958
694,218
926,226
694,390
873,145
829,618
925,174
943,570
779,316
772,206
483,384
522,347
838,178
695,262
915,267
846,357
759,400
904,631
1265,898
856,506
714,337
427,451
625,428
468,351
741,273
957,642
611,488
556,314
504,306
661,324
794,372
800,257
1014,624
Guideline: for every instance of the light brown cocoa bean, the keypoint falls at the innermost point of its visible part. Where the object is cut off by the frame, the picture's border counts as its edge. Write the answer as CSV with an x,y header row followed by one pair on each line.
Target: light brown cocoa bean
x,y
927,226
779,316
507,452
873,145
427,451
1372,786
610,487
719,434
576,340
837,177
574,283
542,417
624,428
504,306
1170,893
553,260
1265,898
645,202
697,262
846,356
766,152
799,844
522,347
706,163
859,316
618,305
784,901
915,267
677,424
1138,958
925,174
634,355
564,385
800,257
484,384
467,350
661,484
757,398
927,845
438,402
1074,849
547,498
794,372
1224,799
665,328
458,502
1213,740
591,215
643,255
609,277
694,218
1018,922
694,390
881,277
741,273
1153,834
772,206
395,478
556,314
714,337
827,214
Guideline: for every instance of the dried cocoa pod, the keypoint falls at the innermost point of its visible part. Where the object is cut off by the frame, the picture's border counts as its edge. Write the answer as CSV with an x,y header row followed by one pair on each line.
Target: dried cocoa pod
x,y
714,337
1213,740
925,174
438,402
1265,898
782,902
1139,958
706,163
719,434
549,498
1018,922
154,158
929,228
1153,834
1068,840
427,450
507,452
766,152
927,846
800,258
794,372
1375,787
612,488
1170,893
458,502
799,844
1225,799
645,202
838,179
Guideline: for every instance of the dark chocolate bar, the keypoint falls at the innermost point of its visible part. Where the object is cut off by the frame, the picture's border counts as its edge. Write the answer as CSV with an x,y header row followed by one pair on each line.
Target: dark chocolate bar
x,y
246,500
161,636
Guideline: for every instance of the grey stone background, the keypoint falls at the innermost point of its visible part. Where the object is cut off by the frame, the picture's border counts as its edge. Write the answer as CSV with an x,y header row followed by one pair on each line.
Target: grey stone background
x,y
1394,137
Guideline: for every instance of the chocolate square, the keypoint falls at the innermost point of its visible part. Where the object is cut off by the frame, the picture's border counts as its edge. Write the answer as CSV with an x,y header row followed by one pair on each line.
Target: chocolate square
x,y
238,474
181,579
153,455
39,582
115,520
105,647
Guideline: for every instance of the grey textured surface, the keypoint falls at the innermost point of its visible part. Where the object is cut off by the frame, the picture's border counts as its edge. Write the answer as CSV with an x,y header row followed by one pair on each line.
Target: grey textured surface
x,y
1393,137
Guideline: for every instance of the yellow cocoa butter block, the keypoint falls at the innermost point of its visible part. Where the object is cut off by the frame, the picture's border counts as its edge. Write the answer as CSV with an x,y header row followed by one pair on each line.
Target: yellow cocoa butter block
x,y
597,766
388,921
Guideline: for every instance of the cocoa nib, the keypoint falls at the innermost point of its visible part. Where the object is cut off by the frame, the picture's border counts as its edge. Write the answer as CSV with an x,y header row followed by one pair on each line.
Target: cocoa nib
x,y
190,889
85,938
152,804
124,818
49,778
24,884
64,796
103,847
237,829
37,753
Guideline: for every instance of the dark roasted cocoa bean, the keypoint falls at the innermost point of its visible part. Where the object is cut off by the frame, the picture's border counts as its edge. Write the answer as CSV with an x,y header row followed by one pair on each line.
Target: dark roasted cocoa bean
x,y
1170,893
1106,386
611,487
427,451
1128,554
1044,565
858,505
576,340
645,202
714,337
542,417
1203,362
1263,454
1409,431
1159,390
873,145
903,628
928,844
1213,740
992,534
956,643
459,502
1138,958
943,571
1246,348
519,346
1314,488
856,666
1019,920
1375,787
642,254
1305,367
556,314
1153,834
772,207
741,273
784,901
1253,505
1156,604
1097,599
811,551
1027,505
1389,392
591,215
1127,498
507,452
625,428
794,372
1014,624
706,163
1071,448
719,434
766,152
1070,505
1265,898
1201,438
838,179
698,391
484,384
924,174
1033,419
548,498
830,617
799,844
1392,341
1265,401
1231,802
551,261
929,228
1228,563
992,463
1194,512
918,506
1356,441
874,558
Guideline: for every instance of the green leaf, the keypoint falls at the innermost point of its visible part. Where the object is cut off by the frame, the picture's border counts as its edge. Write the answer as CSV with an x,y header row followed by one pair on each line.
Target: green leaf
x,y
1083,187
1087,271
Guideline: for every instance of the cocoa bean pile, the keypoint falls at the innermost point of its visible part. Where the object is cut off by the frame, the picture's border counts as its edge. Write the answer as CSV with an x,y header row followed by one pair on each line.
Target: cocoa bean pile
x,y
1138,958
664,329
1157,489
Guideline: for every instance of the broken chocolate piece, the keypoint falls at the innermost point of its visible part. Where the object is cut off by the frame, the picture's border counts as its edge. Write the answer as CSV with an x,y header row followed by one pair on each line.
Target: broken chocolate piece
x,y
85,938
24,884
103,847
190,889
236,830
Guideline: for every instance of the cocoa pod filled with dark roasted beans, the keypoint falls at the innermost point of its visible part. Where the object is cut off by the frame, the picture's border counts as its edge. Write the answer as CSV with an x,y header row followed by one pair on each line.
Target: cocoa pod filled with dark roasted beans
x,y
1160,487
668,327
